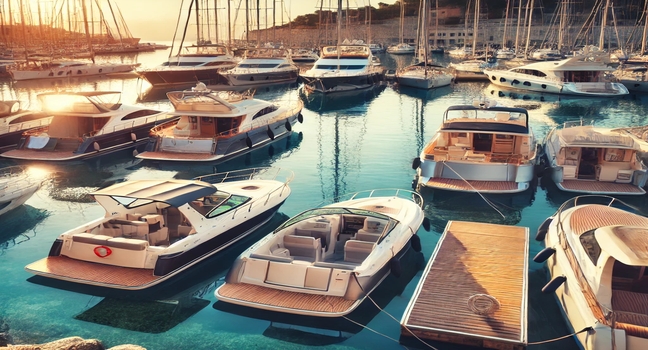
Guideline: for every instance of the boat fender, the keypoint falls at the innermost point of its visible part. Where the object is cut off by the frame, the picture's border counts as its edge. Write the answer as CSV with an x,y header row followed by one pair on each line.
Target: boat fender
x,y
544,86
133,137
288,126
102,251
416,162
416,243
96,146
270,133
554,284
544,254
426,224
515,81
395,267
300,117
493,77
502,80
501,94
526,83
542,230
248,141
414,183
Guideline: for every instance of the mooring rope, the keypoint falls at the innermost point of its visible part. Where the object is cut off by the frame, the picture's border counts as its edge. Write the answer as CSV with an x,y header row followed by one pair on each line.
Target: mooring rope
x,y
476,191
560,338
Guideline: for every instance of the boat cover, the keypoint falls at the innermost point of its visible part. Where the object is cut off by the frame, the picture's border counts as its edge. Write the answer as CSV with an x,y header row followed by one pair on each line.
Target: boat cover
x,y
170,191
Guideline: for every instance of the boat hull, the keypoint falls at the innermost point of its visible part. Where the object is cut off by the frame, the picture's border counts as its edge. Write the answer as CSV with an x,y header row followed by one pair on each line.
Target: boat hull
x,y
261,78
424,83
185,75
73,71
12,201
341,83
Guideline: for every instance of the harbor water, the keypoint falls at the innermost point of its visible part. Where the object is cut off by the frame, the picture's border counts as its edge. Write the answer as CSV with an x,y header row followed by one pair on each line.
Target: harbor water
x,y
345,144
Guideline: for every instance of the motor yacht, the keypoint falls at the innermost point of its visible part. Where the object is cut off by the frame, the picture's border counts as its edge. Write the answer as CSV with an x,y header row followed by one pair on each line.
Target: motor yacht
x,y
66,69
86,125
594,160
14,121
571,76
215,126
325,261
479,148
401,49
263,66
596,257
16,187
153,230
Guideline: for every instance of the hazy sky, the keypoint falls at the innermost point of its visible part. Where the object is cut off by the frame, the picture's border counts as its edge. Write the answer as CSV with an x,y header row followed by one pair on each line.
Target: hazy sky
x,y
155,20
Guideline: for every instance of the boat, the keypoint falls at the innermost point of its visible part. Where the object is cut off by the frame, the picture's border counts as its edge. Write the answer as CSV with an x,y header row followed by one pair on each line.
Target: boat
x,y
325,261
14,121
633,78
596,258
214,126
66,69
262,67
16,187
546,54
481,148
571,76
86,125
401,49
343,68
304,56
505,53
594,160
376,48
196,63
156,229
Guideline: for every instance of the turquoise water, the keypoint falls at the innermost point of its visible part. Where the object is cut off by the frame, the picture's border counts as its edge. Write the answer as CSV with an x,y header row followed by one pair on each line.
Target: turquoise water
x,y
344,145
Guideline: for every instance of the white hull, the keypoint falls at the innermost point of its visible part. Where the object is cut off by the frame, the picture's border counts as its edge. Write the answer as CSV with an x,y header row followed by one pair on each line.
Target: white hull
x,y
72,71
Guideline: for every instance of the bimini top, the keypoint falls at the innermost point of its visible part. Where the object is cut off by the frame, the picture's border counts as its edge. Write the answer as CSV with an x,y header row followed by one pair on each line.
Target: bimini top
x,y
202,100
135,193
626,244
570,64
87,102
485,118
587,135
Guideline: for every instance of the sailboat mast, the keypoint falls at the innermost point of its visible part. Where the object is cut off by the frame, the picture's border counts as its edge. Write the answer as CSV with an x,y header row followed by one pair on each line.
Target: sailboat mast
x,y
22,22
258,13
603,24
87,31
475,28
426,41
528,39
508,4
436,24
369,26
645,30
339,32
229,23
517,31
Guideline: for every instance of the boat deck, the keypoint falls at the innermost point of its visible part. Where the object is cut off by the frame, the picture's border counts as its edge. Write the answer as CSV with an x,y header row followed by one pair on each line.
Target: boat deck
x,y
28,154
473,264
68,269
472,185
598,187
285,301
176,156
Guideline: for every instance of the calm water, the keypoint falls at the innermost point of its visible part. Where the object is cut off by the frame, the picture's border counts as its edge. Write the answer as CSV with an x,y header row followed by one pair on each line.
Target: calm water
x,y
344,145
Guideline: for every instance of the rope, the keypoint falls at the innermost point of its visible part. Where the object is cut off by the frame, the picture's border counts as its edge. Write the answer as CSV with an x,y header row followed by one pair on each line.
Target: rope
x,y
476,191
586,329
483,304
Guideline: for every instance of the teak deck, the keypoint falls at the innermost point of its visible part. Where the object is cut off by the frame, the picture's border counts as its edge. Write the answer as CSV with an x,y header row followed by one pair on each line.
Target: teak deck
x,y
67,269
274,299
472,185
473,259
600,187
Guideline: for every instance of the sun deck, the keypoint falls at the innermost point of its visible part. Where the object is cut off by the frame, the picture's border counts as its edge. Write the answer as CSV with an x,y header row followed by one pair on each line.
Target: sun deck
x,y
268,298
28,154
472,185
475,267
598,187
67,269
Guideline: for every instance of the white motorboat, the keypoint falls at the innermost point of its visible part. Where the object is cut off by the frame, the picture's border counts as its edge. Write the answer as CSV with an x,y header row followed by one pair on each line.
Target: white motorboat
x,y
263,66
472,66
571,76
479,148
216,126
633,78
505,53
66,69
16,187
86,125
546,54
596,258
423,76
460,52
350,70
325,261
14,121
200,63
401,49
155,229
304,56
594,160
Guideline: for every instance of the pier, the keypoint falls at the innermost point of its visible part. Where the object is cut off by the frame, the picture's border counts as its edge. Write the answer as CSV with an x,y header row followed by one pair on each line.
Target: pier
x,y
473,291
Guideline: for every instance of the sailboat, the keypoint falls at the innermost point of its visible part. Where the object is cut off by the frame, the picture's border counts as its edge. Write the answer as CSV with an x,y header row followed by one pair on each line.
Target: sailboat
x,y
423,75
402,48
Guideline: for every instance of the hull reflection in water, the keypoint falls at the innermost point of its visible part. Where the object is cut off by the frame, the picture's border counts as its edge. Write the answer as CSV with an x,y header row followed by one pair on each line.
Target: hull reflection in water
x,y
330,102
427,94
18,226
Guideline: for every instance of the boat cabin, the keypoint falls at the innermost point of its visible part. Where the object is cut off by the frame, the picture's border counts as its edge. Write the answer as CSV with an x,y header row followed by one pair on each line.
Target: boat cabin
x,y
496,134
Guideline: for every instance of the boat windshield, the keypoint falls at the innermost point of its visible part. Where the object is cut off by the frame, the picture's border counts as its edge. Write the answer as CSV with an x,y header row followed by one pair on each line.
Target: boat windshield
x,y
334,211
218,204
82,102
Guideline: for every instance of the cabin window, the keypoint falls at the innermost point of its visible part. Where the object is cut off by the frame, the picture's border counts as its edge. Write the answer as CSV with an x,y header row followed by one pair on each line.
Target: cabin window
x,y
218,204
139,114
614,155
265,111
590,245
257,65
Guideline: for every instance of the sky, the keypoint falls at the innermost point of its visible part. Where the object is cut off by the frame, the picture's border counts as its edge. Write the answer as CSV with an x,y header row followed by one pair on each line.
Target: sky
x,y
155,20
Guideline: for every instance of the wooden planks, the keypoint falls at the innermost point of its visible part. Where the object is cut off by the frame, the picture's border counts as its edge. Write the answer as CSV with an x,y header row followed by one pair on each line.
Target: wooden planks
x,y
293,302
178,155
598,187
67,269
472,185
473,261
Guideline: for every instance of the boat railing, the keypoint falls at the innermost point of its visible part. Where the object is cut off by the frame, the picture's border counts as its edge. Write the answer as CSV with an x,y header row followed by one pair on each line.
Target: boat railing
x,y
293,110
593,199
30,124
383,192
277,174
131,124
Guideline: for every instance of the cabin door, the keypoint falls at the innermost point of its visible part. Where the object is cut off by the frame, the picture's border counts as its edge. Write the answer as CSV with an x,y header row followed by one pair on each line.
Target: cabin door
x,y
207,126
587,165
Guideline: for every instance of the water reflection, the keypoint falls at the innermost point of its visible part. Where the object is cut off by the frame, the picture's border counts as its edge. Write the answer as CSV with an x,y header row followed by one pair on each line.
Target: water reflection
x,y
423,94
337,101
19,225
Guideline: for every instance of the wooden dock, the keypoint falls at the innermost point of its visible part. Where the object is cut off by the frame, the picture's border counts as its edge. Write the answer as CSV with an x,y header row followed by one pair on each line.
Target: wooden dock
x,y
474,289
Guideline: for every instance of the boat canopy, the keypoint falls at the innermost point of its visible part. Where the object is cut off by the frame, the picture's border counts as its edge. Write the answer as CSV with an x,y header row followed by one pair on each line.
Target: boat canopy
x,y
587,135
332,211
626,244
201,99
346,51
86,102
140,192
467,117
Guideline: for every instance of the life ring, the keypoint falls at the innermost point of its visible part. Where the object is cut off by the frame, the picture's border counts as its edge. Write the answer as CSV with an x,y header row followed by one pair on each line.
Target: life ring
x,y
102,251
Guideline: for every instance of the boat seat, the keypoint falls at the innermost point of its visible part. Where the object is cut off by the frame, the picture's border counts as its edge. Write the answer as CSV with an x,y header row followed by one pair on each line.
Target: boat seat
x,y
569,171
606,173
357,251
367,236
89,238
158,237
315,234
304,247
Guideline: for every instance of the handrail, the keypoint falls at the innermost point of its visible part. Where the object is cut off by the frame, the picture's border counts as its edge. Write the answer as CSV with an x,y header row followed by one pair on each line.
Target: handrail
x,y
381,192
133,123
30,124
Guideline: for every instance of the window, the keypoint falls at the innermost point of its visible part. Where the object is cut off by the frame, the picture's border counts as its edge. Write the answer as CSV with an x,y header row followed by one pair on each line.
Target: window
x,y
139,114
265,111
590,245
